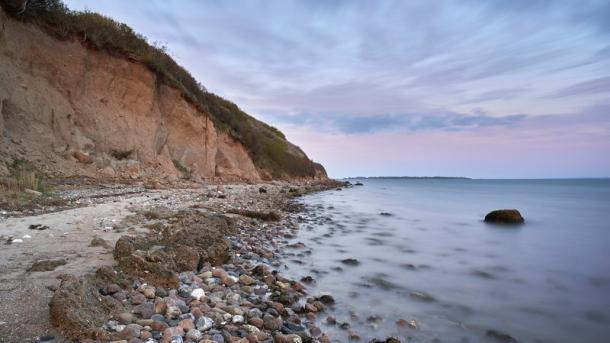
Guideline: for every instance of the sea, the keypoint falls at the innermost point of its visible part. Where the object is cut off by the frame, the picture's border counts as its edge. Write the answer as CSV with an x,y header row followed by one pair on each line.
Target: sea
x,y
429,269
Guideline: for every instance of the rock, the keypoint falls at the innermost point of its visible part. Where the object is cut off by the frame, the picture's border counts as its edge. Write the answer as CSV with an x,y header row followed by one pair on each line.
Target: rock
x,y
204,323
99,242
145,310
38,227
326,299
137,299
193,239
246,280
186,324
82,157
500,336
113,288
359,184
386,214
307,279
125,317
422,296
198,293
262,190
353,335
507,216
257,322
350,262
272,323
33,192
194,335
78,311
148,291
46,265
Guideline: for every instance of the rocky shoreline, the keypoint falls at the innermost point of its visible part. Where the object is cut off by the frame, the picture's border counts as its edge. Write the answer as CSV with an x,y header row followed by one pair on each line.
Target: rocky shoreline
x,y
204,267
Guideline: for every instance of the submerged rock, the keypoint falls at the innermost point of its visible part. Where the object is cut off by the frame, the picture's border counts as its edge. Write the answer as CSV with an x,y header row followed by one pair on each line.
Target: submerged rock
x,y
500,336
505,216
350,262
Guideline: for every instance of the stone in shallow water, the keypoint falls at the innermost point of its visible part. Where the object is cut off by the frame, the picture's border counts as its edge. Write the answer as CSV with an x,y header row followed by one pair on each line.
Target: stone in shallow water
x,y
500,336
422,296
350,262
505,216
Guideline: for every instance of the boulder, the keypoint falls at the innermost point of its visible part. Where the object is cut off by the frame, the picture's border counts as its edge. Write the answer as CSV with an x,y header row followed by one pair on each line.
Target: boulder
x,y
77,310
190,241
506,216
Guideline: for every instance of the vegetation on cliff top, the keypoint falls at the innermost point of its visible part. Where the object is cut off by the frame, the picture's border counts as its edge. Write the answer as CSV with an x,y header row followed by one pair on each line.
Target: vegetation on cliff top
x,y
267,146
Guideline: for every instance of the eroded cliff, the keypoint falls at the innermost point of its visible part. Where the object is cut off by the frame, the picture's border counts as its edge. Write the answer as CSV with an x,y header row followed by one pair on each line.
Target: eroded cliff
x,y
73,110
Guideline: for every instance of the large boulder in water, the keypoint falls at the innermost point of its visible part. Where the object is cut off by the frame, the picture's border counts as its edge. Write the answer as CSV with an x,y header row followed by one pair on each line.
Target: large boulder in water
x,y
506,216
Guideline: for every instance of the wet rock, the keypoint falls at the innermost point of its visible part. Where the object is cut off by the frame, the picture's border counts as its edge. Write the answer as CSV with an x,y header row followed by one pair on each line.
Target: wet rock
x,y
270,216
500,336
358,184
506,216
386,214
387,340
38,227
307,279
46,265
350,262
326,299
422,296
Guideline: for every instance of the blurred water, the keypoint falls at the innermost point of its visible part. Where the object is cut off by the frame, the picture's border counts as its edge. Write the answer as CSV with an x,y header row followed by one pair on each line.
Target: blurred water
x,y
545,281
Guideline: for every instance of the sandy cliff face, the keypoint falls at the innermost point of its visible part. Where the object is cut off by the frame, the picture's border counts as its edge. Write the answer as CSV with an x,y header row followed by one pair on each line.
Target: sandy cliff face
x,y
75,111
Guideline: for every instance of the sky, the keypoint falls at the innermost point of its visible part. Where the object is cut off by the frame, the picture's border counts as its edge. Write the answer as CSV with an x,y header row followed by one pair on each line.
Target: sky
x,y
485,89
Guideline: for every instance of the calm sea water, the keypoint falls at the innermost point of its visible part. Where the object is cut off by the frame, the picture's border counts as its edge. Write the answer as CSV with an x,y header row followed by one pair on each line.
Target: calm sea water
x,y
545,281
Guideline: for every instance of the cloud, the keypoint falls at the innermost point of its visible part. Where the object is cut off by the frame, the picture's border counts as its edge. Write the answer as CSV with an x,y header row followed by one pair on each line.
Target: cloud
x,y
408,122
365,71
596,86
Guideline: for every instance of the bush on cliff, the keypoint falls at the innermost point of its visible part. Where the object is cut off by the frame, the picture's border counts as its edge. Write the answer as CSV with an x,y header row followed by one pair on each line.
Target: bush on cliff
x,y
267,146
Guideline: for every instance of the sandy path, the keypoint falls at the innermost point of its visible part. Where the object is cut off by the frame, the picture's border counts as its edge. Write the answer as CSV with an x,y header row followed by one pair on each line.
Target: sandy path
x,y
24,295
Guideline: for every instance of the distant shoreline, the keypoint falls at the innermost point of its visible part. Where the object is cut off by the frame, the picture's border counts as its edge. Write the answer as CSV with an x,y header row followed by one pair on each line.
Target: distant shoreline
x,y
410,177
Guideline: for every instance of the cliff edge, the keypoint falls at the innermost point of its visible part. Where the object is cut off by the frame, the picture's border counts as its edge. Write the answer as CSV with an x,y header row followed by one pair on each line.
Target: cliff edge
x,y
75,106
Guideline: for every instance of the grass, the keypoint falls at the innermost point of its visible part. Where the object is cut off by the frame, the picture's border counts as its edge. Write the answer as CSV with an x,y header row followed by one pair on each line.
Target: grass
x,y
24,177
267,146
186,173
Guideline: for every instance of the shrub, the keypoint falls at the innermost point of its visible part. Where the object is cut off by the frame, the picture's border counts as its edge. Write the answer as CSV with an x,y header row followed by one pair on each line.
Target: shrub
x,y
266,145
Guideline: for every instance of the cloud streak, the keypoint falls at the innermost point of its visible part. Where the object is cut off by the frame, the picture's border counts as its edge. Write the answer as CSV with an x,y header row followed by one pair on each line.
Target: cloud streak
x,y
405,122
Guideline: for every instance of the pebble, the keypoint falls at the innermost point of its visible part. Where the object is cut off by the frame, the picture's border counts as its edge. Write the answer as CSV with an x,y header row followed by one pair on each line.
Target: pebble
x,y
198,293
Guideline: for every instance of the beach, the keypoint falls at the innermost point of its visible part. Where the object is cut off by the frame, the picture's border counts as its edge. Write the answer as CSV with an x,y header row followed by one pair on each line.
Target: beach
x,y
67,257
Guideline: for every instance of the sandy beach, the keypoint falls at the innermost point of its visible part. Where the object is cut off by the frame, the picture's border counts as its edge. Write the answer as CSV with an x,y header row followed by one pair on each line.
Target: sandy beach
x,y
39,250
